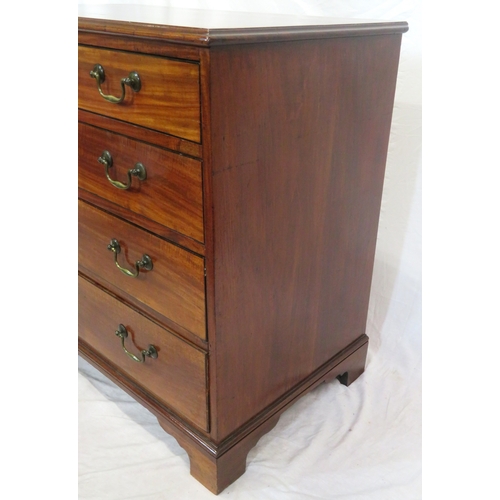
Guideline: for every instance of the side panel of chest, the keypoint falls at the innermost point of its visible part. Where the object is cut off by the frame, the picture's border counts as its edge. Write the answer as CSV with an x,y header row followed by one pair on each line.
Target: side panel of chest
x,y
299,142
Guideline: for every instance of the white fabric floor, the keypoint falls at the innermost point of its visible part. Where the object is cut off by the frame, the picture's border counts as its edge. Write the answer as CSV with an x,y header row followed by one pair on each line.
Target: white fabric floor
x,y
357,443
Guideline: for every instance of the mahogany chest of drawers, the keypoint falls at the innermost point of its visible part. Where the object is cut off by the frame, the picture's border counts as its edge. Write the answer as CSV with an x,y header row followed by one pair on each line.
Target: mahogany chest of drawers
x,y
230,178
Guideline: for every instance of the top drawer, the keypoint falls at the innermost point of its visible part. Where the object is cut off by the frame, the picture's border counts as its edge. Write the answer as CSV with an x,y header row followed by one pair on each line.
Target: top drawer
x,y
168,100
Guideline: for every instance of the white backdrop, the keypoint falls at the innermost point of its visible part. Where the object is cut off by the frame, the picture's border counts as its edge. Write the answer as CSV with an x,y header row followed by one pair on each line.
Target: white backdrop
x,y
361,442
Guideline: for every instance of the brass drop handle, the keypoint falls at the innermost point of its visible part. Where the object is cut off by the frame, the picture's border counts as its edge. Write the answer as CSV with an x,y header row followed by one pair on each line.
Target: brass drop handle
x,y
150,352
138,171
145,263
132,80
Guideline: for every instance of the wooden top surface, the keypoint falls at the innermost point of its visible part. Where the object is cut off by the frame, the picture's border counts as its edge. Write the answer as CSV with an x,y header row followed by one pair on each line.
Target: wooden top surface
x,y
211,27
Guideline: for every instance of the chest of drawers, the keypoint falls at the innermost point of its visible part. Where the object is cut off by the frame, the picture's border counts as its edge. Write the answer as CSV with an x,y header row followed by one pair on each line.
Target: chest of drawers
x,y
230,178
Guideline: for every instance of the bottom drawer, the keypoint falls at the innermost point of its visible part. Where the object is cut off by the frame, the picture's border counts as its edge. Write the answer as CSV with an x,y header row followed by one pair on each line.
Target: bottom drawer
x,y
176,377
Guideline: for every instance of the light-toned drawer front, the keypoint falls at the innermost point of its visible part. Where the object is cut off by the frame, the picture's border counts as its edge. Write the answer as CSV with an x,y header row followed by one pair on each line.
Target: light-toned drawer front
x,y
169,98
177,377
175,287
171,194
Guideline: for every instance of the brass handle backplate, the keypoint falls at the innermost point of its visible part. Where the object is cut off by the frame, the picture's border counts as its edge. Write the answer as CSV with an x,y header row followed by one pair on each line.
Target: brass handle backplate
x,y
132,80
150,352
145,263
138,171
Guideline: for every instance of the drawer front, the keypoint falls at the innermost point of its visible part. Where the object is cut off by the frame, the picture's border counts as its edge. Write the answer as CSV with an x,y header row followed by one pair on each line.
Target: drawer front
x,y
174,287
168,100
171,193
177,377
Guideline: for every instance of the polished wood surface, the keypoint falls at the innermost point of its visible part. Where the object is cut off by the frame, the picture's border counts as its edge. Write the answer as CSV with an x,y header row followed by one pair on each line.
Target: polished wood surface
x,y
299,142
177,377
169,100
175,287
289,142
155,46
214,27
170,195
208,459
175,144
217,466
143,222
217,472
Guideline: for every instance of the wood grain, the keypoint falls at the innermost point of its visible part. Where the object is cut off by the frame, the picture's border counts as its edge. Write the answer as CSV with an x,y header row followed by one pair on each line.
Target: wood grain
x,y
205,28
205,72
153,137
170,195
132,43
299,141
217,472
169,100
217,465
292,136
143,222
175,287
177,377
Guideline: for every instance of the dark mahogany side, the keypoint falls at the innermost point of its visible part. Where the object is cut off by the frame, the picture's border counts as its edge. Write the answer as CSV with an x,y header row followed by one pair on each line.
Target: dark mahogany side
x,y
299,137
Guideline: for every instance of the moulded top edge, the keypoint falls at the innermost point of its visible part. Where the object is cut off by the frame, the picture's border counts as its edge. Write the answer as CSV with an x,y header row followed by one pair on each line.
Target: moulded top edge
x,y
210,27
